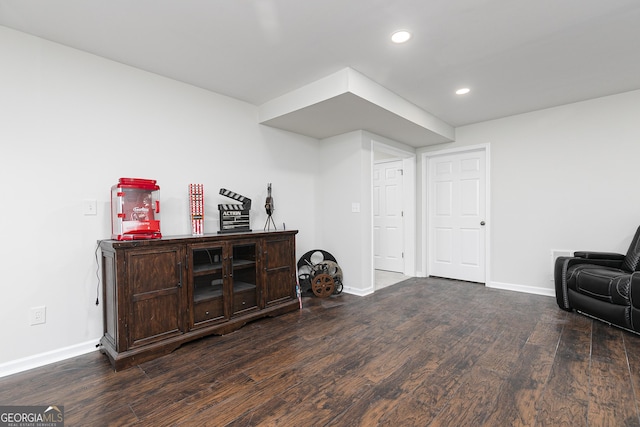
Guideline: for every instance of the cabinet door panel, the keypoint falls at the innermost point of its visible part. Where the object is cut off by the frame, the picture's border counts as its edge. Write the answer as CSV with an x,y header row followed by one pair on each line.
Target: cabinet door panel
x,y
151,321
279,275
156,284
279,286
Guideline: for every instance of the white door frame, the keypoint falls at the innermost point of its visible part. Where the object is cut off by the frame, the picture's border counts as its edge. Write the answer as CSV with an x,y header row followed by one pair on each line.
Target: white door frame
x,y
426,185
408,204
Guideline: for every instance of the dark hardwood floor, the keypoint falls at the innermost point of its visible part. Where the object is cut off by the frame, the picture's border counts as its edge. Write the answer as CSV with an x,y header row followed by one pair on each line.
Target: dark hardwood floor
x,y
426,352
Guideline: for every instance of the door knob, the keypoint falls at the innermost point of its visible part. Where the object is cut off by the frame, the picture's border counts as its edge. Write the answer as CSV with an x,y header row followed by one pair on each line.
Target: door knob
x,y
482,222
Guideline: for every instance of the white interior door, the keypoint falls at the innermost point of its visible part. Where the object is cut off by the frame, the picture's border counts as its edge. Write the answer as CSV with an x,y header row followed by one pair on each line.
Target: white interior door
x,y
456,216
388,216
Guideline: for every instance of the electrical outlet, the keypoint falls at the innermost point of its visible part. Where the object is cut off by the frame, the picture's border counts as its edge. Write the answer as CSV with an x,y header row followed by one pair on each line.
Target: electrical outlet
x,y
90,207
38,315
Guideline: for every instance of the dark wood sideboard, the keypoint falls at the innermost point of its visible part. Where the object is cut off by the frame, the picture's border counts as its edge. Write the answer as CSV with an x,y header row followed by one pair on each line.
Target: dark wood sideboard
x,y
161,293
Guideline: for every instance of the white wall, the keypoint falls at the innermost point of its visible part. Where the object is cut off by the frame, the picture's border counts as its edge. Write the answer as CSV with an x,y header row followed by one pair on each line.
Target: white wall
x,y
345,179
72,124
563,178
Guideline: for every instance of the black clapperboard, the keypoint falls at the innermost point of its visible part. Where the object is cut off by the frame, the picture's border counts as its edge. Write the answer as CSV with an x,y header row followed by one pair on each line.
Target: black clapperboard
x,y
234,217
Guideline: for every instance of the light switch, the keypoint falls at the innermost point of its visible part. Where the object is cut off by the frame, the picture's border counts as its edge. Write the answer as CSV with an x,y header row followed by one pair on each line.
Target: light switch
x,y
90,207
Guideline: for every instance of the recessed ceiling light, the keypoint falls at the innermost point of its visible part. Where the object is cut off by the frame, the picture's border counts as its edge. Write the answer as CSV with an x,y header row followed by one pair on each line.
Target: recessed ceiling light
x,y
463,91
400,36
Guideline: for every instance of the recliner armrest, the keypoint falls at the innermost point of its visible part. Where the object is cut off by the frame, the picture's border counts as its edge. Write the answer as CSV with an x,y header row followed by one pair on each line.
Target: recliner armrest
x,y
599,255
634,299
562,264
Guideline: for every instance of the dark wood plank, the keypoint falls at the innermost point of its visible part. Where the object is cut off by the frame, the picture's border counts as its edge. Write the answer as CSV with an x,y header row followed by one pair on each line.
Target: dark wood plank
x,y
611,395
525,384
473,401
566,398
632,350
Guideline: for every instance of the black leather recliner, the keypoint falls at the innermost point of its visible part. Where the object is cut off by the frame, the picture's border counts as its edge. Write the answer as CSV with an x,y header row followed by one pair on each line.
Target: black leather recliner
x,y
602,285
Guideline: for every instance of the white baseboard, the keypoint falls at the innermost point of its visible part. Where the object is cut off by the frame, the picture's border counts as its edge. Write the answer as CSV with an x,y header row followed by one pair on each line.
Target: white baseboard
x,y
37,360
357,291
522,288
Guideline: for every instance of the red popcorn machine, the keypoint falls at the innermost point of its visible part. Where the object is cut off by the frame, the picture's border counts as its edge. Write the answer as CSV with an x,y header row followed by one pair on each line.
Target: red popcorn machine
x,y
135,209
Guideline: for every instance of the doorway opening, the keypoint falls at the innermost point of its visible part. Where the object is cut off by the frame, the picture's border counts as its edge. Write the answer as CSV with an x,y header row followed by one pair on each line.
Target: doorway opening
x,y
393,214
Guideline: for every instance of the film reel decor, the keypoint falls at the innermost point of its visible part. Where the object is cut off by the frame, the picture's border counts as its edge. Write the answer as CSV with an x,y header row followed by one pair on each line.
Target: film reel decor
x,y
319,274
323,285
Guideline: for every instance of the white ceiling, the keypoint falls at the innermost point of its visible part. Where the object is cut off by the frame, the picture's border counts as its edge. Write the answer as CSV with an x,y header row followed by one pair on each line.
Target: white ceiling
x,y
515,55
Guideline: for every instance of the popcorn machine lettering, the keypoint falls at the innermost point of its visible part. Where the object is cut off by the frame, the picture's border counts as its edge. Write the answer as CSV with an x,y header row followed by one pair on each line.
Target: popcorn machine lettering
x,y
137,206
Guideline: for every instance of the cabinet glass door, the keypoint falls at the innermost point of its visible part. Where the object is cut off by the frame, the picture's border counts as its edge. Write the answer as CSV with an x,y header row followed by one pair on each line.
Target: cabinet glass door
x,y
244,267
208,289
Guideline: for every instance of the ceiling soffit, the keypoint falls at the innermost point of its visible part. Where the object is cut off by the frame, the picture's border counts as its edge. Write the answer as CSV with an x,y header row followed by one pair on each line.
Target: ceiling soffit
x,y
347,101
